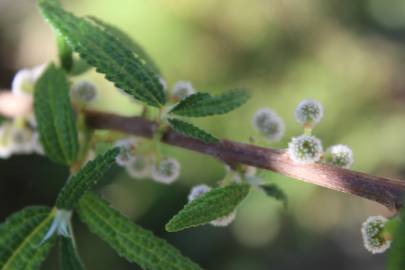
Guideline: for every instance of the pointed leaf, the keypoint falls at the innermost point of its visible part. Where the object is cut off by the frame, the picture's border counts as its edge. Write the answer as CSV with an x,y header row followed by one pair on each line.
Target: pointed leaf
x,y
203,104
69,258
85,179
128,41
54,114
20,239
130,240
65,54
107,53
214,204
274,191
192,131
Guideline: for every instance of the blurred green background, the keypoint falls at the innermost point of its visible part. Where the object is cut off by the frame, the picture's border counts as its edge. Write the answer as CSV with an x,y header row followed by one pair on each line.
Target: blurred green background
x,y
350,55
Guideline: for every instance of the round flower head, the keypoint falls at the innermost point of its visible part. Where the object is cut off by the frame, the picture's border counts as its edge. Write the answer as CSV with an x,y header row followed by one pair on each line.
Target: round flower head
x,y
339,155
305,149
269,124
83,92
224,221
198,191
127,149
22,140
309,112
372,232
166,171
138,167
182,89
24,80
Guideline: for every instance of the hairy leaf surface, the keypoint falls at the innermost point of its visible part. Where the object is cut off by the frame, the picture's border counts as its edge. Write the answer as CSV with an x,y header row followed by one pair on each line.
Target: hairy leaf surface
x,y
130,240
85,179
214,204
21,236
203,104
69,258
107,53
54,114
192,131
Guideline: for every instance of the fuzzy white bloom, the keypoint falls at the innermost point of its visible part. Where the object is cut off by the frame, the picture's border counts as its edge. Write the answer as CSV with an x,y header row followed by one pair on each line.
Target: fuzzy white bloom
x,y
22,140
224,221
198,191
269,124
166,171
24,80
309,112
339,155
127,151
6,145
60,225
138,167
305,149
182,89
372,233
83,92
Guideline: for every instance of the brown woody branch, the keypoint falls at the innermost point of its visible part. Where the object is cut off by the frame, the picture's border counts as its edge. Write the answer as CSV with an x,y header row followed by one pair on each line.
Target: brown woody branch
x,y
385,191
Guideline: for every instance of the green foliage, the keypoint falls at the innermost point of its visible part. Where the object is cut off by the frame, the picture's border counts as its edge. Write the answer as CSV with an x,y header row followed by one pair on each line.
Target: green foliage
x,y
54,114
85,179
396,258
125,39
20,239
65,54
129,240
203,104
214,204
274,191
107,53
192,131
79,67
69,258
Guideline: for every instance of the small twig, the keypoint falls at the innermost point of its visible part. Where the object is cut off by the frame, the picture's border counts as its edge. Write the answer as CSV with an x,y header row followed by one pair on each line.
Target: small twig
x,y
385,191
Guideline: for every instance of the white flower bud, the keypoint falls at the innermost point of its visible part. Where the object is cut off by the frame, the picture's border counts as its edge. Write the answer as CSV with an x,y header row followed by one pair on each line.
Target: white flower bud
x,y
372,233
166,171
224,221
22,140
269,124
127,151
198,191
83,92
339,155
6,145
182,89
138,167
309,112
60,225
305,149
24,80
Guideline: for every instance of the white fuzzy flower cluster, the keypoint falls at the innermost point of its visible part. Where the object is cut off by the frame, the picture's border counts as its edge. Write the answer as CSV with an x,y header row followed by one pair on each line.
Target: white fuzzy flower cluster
x,y
198,191
309,112
83,92
269,124
24,80
372,231
19,135
305,149
339,155
166,171
182,89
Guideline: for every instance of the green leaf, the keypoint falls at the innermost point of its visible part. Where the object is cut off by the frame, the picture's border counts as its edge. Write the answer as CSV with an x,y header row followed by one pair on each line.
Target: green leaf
x,y
203,104
85,179
69,258
274,191
107,53
79,67
396,258
214,204
129,42
131,241
54,114
20,239
65,54
192,131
